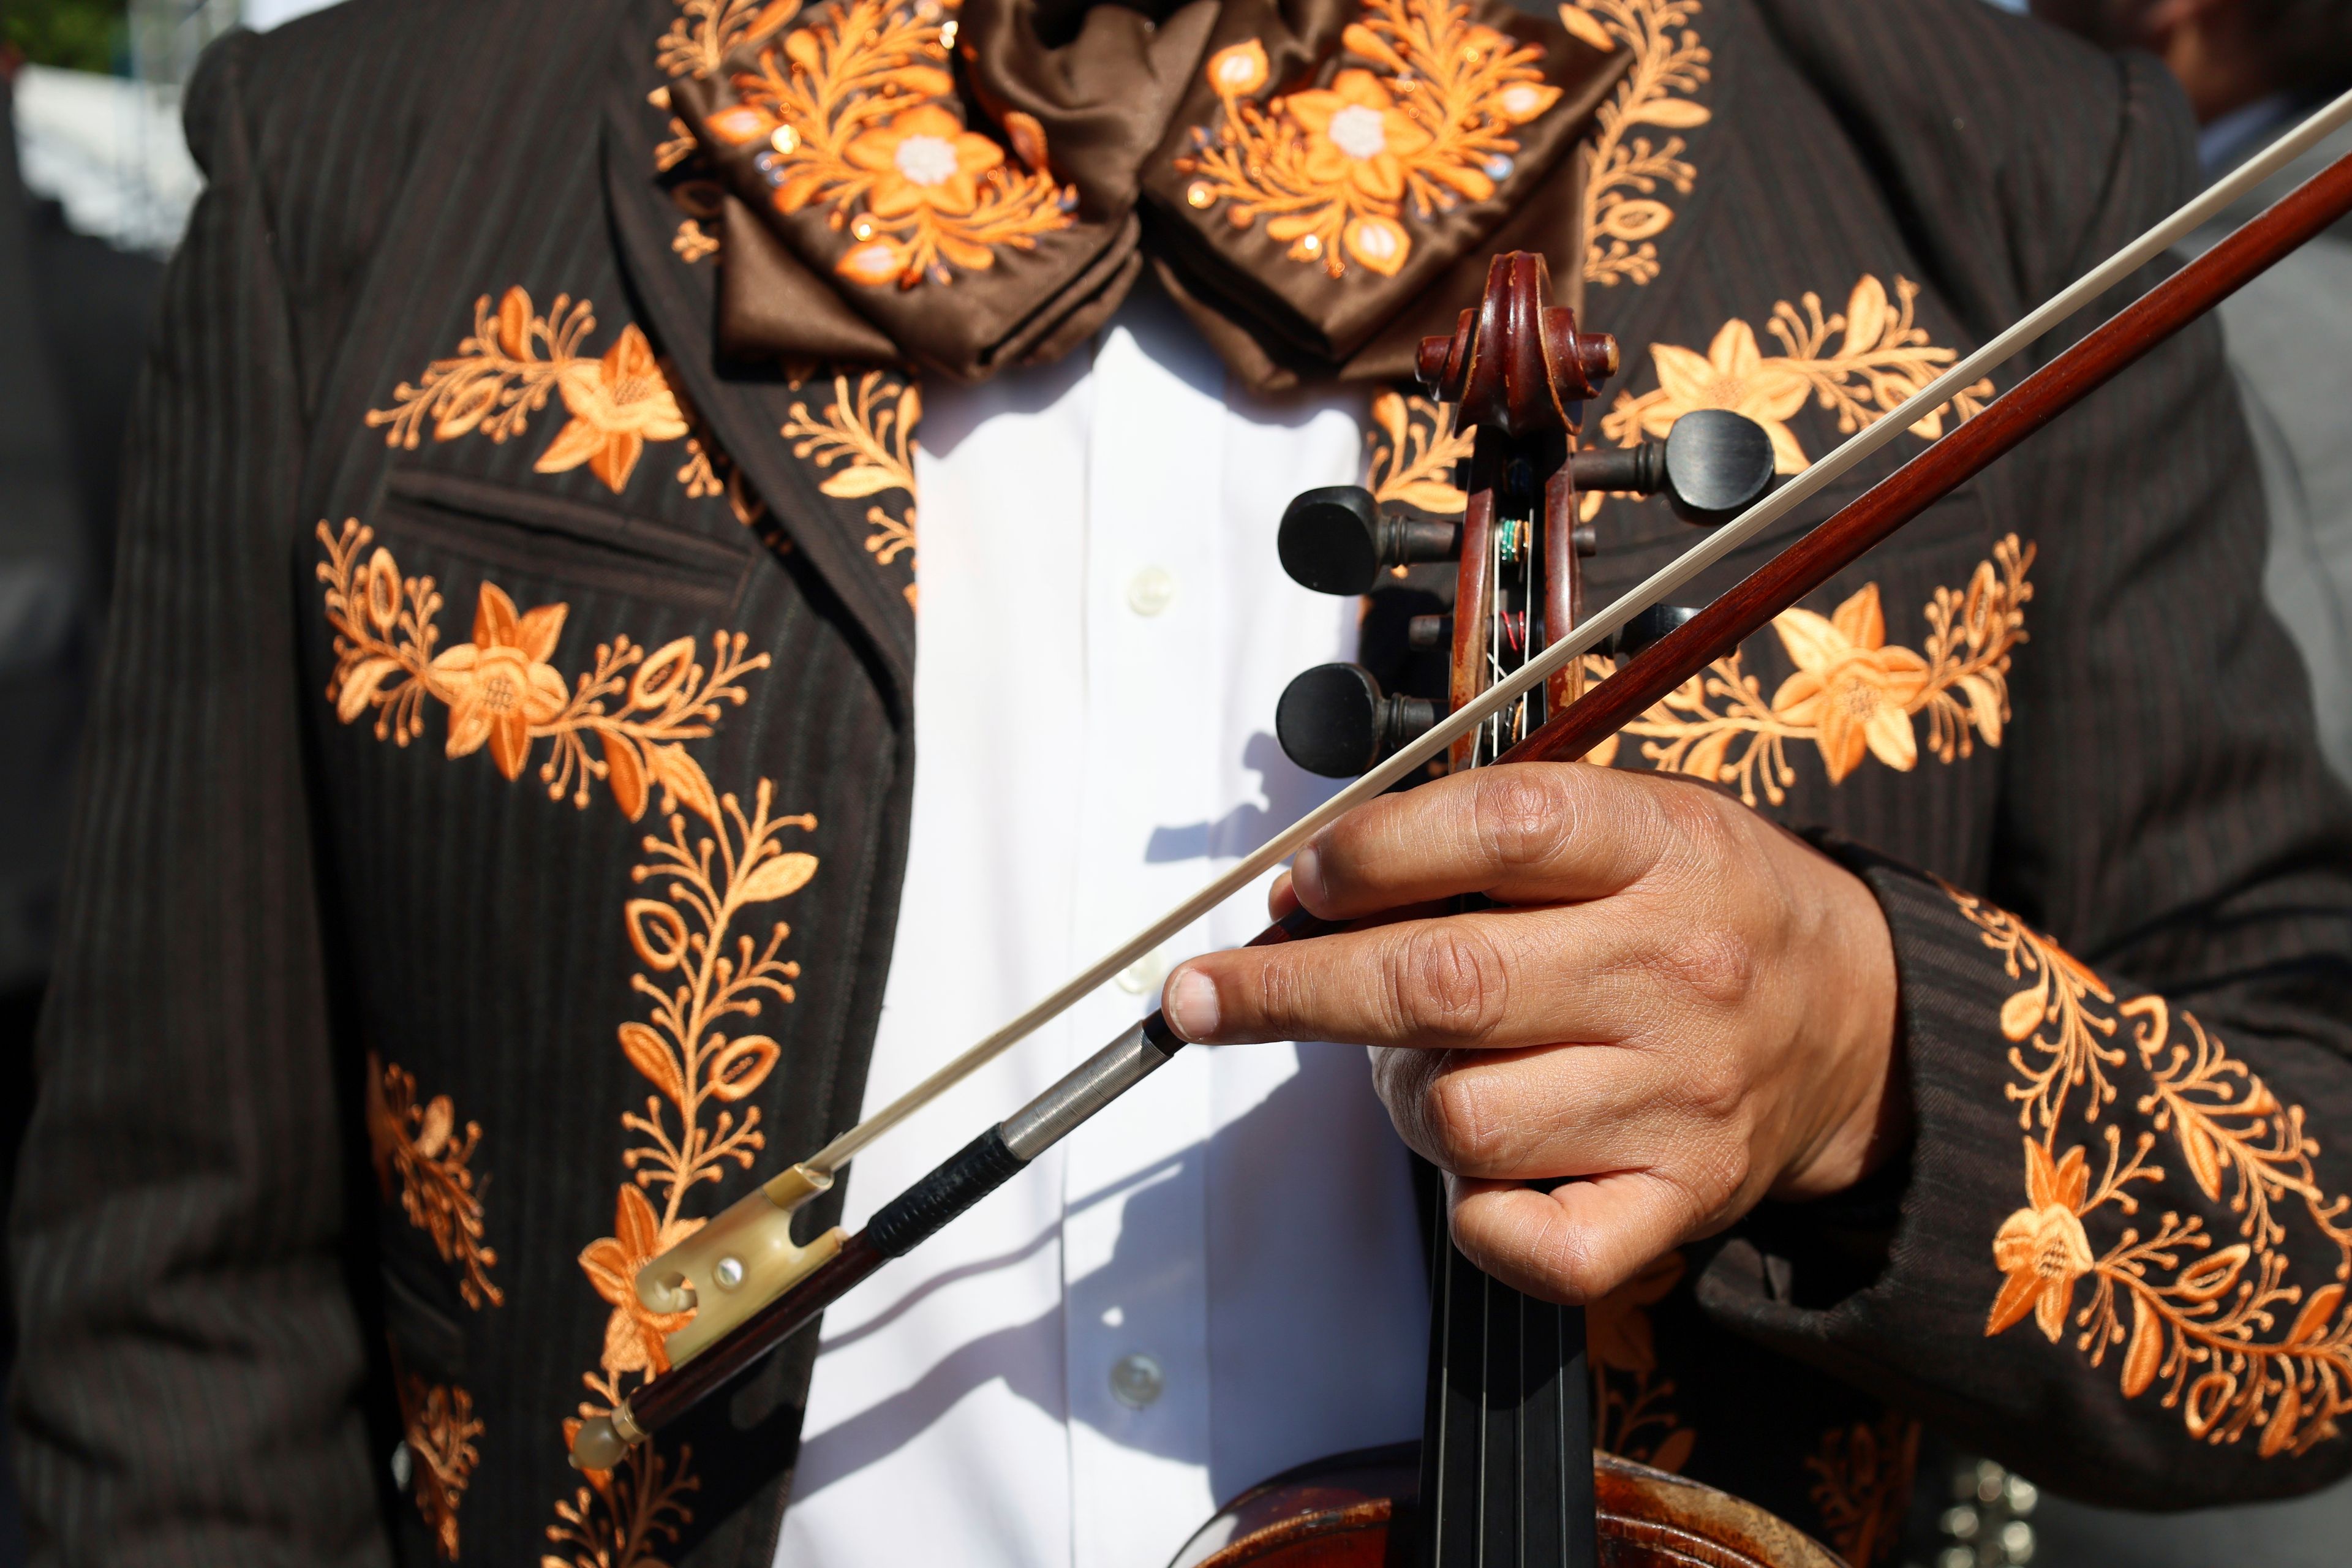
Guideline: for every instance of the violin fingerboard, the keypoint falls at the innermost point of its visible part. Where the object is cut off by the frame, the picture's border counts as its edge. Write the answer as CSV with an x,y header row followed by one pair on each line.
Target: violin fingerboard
x,y
1507,1448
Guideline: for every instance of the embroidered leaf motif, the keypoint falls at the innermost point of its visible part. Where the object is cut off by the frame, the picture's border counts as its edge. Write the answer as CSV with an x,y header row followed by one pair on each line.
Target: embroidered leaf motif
x,y
651,1056
1411,452
1622,173
1334,170
778,876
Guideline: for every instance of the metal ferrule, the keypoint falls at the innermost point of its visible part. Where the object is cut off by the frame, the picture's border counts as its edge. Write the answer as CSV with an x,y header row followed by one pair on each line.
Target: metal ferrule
x,y
1088,1087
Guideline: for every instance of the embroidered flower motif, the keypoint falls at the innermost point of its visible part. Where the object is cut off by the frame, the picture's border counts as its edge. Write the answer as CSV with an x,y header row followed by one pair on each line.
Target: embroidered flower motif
x,y
2042,1246
918,192
500,684
1356,134
617,405
1850,686
633,1335
1734,374
1422,126
1625,173
924,158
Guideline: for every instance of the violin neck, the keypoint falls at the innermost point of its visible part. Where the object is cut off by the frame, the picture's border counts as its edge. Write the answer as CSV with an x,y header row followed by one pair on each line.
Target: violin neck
x,y
1507,1444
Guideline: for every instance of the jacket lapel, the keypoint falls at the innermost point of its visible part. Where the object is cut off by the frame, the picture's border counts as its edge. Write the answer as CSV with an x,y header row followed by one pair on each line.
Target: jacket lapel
x,y
791,439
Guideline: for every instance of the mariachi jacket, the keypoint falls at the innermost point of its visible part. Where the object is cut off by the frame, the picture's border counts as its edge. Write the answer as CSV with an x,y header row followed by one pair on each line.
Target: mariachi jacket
x,y
499,787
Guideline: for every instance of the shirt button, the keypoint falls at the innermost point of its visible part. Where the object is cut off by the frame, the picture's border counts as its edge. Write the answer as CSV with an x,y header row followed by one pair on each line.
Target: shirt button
x,y
1144,975
1136,1380
1150,591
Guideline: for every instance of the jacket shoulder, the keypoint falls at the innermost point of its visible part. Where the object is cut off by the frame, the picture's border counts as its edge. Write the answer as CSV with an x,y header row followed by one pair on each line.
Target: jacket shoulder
x,y
1997,134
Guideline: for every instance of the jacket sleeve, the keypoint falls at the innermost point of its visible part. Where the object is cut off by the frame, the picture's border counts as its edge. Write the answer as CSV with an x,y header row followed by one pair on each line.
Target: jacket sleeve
x,y
2118,1255
188,1388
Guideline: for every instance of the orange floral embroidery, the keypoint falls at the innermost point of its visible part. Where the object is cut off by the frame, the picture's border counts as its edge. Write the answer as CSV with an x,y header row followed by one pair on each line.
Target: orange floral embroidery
x,y
617,404
1624,170
704,30
418,1148
872,432
501,691
1631,1417
1862,1485
440,1429
1882,359
1850,686
700,976
516,358
2205,1315
2042,1248
1426,120
1410,454
1852,695
855,109
633,1336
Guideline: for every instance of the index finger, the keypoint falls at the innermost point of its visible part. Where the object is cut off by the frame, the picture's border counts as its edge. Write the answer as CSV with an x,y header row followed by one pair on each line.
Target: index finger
x,y
1528,833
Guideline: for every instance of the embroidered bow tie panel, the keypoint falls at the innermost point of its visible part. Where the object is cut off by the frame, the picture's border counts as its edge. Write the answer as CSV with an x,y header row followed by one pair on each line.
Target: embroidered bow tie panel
x,y
941,187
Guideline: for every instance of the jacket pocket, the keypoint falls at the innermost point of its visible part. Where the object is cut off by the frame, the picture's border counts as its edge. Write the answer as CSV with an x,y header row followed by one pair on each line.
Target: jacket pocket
x,y
587,545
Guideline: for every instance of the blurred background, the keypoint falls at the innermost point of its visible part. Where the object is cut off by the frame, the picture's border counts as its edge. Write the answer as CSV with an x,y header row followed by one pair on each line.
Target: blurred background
x,y
95,189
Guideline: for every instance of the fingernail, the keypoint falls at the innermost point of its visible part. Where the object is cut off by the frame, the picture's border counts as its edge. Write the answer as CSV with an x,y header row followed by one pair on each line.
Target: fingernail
x,y
1306,875
1191,1005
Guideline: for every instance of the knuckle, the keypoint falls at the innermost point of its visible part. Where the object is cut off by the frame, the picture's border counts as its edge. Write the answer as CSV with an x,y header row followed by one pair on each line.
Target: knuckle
x,y
1523,816
1460,1113
1715,963
1449,984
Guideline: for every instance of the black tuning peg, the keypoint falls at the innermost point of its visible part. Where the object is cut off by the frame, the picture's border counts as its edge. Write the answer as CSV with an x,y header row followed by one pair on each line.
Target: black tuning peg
x,y
1336,541
1645,628
1334,721
1713,466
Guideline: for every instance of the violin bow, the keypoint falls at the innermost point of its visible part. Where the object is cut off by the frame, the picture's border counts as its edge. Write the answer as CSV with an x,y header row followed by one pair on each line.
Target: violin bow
x,y
751,1288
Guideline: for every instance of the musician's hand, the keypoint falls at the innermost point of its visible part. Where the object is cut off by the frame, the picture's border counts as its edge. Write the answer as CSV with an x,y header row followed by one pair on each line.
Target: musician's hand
x,y
1684,1004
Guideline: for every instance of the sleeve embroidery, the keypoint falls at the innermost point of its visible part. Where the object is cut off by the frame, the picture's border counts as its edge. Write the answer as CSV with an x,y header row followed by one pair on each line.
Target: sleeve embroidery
x,y
419,1149
2236,1346
502,693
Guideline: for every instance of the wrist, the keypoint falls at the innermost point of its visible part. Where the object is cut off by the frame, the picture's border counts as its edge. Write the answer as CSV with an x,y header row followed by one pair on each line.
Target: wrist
x,y
1850,1033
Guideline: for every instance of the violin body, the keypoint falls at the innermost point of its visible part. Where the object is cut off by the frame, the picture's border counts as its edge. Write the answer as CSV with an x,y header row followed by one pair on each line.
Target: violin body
x,y
1360,1510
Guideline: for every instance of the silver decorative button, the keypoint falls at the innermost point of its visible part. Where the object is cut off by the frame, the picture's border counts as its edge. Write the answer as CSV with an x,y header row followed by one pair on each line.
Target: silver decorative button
x,y
727,1273
1136,1380
1152,590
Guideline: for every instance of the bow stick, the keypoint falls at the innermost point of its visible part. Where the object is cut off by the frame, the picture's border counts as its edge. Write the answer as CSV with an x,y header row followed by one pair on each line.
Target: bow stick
x,y
751,1287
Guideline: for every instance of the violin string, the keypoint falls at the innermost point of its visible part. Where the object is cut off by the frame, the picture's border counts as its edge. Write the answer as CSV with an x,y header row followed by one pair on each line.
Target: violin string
x,y
1721,541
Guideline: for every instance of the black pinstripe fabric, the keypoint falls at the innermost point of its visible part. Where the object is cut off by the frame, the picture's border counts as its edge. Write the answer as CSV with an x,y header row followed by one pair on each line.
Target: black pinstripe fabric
x,y
215,1292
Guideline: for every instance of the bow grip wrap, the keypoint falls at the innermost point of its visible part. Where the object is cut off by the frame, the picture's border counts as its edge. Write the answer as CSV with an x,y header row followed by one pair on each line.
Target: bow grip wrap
x,y
977,1169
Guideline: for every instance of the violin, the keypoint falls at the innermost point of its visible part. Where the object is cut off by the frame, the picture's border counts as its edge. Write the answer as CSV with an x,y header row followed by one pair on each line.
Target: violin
x,y
1506,1470
1505,1466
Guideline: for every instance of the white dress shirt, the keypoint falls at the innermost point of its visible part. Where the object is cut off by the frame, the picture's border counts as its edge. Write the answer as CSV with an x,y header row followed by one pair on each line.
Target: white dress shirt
x,y
1222,1275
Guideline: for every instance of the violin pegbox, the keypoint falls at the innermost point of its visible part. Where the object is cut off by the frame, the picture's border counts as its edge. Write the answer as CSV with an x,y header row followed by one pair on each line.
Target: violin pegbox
x,y
1518,371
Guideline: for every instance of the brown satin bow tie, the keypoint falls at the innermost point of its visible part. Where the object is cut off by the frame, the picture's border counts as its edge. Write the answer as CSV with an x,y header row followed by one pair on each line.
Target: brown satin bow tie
x,y
1318,183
